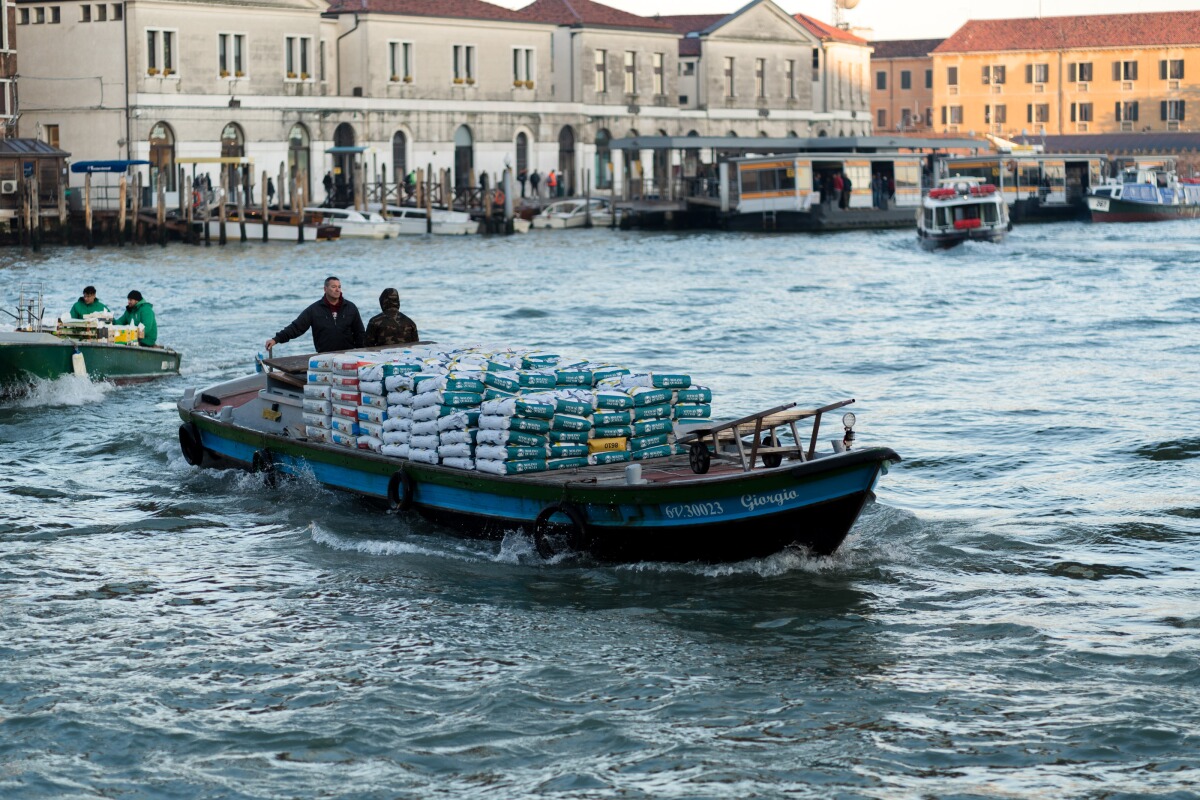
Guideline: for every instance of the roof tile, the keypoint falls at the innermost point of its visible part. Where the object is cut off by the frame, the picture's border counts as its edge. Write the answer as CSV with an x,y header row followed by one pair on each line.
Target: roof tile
x,y
452,9
1055,33
904,48
585,13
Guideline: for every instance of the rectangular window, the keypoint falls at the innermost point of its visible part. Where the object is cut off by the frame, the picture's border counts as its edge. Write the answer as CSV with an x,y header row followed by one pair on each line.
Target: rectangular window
x,y
952,76
230,50
1172,110
1037,73
85,13
816,64
321,60
659,61
1041,112
1081,112
728,76
464,63
1125,70
905,79
881,119
102,13
118,11
160,51
760,77
630,72
1127,111
523,65
22,17
790,71
1171,69
601,71
400,61
297,57
55,18
1000,114
928,79
1080,72
51,132
956,115
881,81
39,16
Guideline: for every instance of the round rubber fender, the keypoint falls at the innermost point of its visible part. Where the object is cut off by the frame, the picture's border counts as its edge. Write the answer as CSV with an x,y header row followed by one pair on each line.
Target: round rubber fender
x,y
190,444
541,528
400,490
263,463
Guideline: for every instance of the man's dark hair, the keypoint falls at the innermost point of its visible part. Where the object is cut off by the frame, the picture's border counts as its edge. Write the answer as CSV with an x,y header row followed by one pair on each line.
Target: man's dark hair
x,y
135,295
332,278
89,290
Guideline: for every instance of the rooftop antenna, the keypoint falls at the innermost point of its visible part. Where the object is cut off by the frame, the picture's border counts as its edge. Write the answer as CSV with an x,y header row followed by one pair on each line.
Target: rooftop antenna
x,y
838,7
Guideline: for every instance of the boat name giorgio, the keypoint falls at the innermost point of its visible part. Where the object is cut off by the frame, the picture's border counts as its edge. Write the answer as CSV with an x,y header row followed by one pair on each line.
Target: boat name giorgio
x,y
753,501
691,510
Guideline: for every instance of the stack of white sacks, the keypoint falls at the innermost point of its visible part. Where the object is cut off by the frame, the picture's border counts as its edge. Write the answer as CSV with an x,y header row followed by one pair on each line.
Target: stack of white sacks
x,y
504,413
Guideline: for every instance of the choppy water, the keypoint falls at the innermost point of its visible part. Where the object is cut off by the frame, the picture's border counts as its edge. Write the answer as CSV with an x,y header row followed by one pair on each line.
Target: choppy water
x,y
1018,616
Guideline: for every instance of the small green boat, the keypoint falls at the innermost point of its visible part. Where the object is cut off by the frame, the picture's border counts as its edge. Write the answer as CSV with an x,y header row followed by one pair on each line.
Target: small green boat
x,y
26,356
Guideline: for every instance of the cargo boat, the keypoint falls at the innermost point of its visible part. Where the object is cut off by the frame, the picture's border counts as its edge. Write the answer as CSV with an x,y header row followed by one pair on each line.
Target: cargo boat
x,y
723,500
33,352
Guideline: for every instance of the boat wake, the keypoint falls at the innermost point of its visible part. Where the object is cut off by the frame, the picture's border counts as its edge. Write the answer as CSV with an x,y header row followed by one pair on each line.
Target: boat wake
x,y
379,547
68,390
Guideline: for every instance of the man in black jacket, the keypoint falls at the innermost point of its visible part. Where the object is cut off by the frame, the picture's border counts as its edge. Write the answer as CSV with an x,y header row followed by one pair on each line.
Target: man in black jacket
x,y
334,320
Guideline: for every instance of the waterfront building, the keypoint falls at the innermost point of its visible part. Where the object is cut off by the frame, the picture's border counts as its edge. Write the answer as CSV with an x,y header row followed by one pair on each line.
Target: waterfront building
x,y
389,86
902,85
1066,75
8,71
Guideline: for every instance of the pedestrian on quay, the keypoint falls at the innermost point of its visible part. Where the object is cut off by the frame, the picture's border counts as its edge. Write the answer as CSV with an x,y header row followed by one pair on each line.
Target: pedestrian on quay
x,y
837,184
335,322
390,326
270,192
327,182
847,187
521,178
534,179
139,312
552,184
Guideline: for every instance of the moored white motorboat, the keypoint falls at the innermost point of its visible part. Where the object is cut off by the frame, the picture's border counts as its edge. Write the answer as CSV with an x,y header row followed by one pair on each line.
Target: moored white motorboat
x,y
357,224
574,214
413,221
1145,193
962,209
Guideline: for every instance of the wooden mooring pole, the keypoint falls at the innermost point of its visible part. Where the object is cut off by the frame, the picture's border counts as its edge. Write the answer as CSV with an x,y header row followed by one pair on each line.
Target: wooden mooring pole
x,y
263,199
123,195
87,210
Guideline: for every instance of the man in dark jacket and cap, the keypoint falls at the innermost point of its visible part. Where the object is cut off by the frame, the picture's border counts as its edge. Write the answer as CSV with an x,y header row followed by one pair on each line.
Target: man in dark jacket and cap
x,y
335,322
391,327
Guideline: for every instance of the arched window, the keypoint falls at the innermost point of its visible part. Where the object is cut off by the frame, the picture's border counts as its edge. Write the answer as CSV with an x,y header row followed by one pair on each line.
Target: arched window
x,y
603,168
464,156
691,158
162,157
399,156
566,160
299,166
522,153
732,134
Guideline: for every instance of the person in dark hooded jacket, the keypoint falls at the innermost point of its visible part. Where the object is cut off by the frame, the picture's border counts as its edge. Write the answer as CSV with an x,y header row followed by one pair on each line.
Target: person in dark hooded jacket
x,y
335,322
391,327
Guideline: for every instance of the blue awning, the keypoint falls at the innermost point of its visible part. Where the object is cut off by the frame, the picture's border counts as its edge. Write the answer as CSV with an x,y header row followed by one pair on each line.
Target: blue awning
x,y
104,166
342,149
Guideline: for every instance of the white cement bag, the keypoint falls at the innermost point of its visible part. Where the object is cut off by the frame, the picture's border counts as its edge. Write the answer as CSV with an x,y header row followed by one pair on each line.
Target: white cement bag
x,y
339,394
371,387
458,436
422,455
459,463
395,450
402,398
457,420
350,381
317,391
372,414
345,410
370,428
318,407
321,362
399,412
426,413
374,400
370,443
426,428
345,440
424,443
455,451
394,437
316,434
349,427
318,420
320,378
397,424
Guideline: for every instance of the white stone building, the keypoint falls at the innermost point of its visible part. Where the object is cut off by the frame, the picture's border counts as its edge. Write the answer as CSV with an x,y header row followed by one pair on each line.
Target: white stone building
x,y
401,84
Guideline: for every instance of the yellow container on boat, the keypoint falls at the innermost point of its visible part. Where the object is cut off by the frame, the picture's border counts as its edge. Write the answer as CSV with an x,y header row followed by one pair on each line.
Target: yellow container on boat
x,y
123,334
606,445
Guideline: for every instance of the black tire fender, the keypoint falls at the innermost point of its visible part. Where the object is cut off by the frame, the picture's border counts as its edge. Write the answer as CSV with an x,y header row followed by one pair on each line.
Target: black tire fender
x,y
263,463
771,460
400,491
190,444
541,528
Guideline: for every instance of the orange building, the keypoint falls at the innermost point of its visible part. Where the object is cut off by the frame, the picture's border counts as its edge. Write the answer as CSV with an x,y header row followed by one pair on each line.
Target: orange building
x,y
902,85
1065,75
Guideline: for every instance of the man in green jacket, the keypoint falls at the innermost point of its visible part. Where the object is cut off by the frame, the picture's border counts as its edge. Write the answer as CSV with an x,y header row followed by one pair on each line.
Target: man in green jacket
x,y
139,312
88,304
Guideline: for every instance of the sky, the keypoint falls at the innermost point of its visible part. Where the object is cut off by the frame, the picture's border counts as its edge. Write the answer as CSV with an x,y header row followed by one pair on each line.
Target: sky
x,y
904,19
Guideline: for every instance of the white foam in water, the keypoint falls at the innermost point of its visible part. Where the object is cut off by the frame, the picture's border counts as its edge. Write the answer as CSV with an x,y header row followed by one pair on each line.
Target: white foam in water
x,y
69,390
376,547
